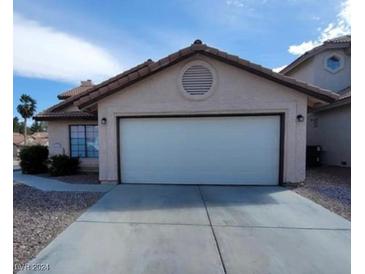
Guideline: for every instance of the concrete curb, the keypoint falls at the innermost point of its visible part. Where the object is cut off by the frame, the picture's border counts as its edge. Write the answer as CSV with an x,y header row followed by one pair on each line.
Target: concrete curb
x,y
46,184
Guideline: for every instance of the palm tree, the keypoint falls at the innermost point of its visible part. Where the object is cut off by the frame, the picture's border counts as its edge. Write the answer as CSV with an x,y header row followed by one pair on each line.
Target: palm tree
x,y
26,109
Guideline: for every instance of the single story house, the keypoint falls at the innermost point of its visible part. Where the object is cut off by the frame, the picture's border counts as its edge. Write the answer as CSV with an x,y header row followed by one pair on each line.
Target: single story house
x,y
37,138
328,66
40,138
197,116
18,142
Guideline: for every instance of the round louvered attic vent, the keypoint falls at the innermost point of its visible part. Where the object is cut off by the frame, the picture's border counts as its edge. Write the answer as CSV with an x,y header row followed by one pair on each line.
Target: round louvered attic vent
x,y
197,80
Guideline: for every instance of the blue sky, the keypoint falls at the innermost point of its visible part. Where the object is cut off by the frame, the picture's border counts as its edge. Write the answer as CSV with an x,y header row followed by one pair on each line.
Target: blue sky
x,y
59,43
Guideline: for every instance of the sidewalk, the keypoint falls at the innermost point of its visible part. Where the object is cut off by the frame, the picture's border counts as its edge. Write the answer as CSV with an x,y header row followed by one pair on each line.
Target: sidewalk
x,y
46,184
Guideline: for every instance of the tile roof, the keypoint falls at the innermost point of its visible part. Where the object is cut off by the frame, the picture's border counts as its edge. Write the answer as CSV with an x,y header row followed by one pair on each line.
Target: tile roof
x,y
69,101
345,93
41,141
339,39
341,102
42,134
85,85
343,99
149,67
338,42
117,83
18,138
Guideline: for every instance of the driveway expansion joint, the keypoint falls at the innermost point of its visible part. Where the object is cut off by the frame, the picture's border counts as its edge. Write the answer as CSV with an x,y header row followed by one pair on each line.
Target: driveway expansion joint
x,y
214,225
285,227
206,230
213,232
140,223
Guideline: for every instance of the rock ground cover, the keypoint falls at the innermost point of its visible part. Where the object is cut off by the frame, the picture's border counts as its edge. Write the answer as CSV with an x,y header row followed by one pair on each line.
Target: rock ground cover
x,y
40,216
329,187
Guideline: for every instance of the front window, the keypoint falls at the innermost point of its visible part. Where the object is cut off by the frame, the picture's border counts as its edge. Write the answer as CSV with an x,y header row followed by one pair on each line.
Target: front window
x,y
84,141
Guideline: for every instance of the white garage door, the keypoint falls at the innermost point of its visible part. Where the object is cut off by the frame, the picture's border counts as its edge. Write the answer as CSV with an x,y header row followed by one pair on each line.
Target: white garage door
x,y
240,150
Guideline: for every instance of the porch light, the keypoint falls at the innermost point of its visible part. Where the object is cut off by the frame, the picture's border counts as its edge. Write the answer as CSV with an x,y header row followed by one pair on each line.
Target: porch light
x,y
300,118
103,121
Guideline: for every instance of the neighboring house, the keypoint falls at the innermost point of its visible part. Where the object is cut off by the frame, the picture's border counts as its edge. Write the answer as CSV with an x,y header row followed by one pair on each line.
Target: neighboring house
x,y
18,141
37,138
197,116
328,66
40,138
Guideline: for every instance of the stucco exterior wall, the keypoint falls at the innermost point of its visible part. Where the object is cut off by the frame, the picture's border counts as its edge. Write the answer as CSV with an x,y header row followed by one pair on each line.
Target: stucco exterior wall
x,y
313,71
331,129
236,91
59,142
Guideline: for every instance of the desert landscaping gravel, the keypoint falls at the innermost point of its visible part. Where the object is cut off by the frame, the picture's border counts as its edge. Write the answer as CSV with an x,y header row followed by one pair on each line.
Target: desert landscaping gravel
x,y
40,216
329,187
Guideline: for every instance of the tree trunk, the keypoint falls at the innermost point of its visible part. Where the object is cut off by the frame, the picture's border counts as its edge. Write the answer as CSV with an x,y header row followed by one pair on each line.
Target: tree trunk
x,y
25,131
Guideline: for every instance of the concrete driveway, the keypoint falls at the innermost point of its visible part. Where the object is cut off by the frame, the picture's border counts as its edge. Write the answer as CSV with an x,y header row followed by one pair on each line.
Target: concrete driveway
x,y
206,229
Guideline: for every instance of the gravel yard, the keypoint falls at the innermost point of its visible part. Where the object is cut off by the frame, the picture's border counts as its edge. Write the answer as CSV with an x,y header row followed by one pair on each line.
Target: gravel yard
x,y
40,216
329,187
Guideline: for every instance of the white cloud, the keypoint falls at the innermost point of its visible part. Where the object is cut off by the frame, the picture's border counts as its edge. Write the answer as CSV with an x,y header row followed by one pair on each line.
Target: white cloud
x,y
278,69
244,3
236,3
303,47
341,26
44,52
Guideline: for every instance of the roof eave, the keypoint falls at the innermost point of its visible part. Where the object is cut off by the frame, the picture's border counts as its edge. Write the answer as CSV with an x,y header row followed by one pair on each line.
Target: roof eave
x,y
82,103
326,96
62,97
338,103
307,55
54,118
270,75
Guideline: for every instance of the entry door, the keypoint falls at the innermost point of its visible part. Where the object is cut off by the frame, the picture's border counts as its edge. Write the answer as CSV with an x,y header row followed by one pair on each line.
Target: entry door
x,y
237,150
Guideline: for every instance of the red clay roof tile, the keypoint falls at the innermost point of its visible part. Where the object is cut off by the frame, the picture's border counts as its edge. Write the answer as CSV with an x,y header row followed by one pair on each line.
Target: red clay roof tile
x,y
149,67
85,85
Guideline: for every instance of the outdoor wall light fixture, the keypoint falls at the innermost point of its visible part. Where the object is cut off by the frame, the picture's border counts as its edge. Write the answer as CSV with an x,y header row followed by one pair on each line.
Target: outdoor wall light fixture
x,y
300,118
103,121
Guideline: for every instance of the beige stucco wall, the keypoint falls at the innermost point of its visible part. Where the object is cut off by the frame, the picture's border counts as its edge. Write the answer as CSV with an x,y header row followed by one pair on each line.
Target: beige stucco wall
x,y
59,142
313,71
332,131
237,91
334,126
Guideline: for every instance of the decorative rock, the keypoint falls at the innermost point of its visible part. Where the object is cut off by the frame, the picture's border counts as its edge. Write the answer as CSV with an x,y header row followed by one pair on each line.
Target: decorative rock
x,y
40,216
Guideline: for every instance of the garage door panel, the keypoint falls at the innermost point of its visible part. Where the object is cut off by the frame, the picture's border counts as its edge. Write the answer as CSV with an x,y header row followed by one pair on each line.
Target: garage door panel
x,y
204,150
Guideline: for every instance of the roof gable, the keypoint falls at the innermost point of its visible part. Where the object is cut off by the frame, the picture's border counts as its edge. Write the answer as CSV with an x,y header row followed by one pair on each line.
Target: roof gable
x,y
149,68
335,43
118,83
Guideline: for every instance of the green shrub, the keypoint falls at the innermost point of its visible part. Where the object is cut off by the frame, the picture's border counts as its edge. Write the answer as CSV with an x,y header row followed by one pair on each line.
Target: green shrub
x,y
33,159
63,165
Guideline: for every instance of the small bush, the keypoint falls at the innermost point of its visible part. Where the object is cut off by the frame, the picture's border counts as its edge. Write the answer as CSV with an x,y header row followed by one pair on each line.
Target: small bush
x,y
33,159
63,165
